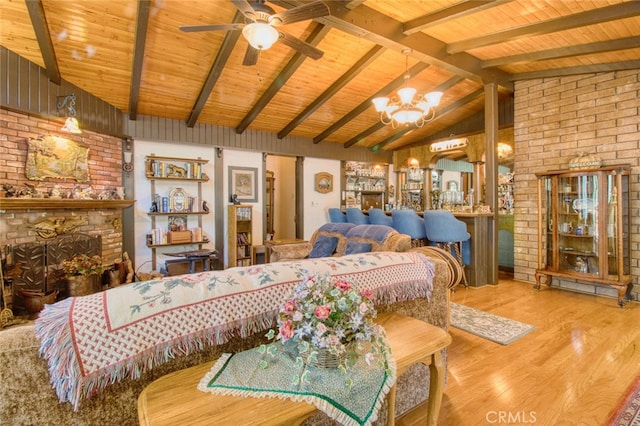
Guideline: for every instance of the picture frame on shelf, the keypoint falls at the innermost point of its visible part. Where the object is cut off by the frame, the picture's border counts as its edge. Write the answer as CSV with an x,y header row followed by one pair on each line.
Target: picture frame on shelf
x,y
243,182
323,182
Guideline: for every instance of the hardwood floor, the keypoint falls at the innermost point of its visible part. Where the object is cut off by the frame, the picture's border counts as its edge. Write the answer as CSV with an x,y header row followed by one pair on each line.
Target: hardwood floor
x,y
572,370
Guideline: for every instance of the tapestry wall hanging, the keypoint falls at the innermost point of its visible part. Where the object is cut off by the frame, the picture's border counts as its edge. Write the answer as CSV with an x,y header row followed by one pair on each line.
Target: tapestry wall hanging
x,y
55,157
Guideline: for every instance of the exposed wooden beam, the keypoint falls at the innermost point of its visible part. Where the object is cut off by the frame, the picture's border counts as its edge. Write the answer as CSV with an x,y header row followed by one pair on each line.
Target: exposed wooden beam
x,y
381,29
318,33
455,11
142,24
229,42
441,88
565,52
356,69
586,69
364,105
41,29
590,17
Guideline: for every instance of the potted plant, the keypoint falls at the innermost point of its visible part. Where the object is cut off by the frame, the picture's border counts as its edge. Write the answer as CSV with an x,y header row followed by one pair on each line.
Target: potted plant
x,y
83,274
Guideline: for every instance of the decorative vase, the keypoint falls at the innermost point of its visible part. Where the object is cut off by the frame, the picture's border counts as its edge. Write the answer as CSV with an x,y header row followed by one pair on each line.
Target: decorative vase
x,y
82,285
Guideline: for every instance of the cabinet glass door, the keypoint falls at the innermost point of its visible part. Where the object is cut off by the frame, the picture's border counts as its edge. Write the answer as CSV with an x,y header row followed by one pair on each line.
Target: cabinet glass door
x,y
617,251
578,233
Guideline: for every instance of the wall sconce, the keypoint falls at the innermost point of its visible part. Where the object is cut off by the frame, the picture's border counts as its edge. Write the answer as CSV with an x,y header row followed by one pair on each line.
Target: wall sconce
x,y
127,154
71,124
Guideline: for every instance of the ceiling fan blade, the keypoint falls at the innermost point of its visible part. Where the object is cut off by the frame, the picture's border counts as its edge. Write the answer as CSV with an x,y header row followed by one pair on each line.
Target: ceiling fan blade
x,y
301,46
250,56
245,8
212,27
312,10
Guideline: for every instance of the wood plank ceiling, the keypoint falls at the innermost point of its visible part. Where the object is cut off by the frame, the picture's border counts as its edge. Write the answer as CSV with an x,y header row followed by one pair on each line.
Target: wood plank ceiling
x,y
134,56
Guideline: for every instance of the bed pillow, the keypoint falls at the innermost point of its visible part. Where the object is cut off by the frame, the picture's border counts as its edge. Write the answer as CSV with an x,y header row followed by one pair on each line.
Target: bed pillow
x,y
324,246
354,247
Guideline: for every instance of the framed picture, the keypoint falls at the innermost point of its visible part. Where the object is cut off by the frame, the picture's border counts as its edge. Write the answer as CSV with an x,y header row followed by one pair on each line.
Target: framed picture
x,y
324,182
243,182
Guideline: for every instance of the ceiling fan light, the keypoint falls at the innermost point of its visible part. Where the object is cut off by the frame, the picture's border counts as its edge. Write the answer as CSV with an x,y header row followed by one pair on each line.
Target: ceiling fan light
x,y
406,95
380,103
260,36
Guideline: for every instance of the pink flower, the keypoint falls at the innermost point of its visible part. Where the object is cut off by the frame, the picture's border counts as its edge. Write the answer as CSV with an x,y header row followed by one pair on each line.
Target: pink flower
x,y
289,306
320,329
286,330
342,285
363,308
367,293
322,312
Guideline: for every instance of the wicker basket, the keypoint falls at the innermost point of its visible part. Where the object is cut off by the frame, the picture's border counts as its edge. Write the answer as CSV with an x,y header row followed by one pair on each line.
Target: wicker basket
x,y
325,358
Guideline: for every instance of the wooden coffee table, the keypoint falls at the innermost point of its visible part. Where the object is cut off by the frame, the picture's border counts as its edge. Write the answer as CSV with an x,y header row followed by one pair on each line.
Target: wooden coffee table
x,y
175,400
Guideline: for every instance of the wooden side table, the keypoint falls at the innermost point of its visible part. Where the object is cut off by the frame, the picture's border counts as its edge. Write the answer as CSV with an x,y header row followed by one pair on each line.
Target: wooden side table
x,y
175,400
269,244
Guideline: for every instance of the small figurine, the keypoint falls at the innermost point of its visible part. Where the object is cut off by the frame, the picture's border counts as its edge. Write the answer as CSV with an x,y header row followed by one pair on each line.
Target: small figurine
x,y
205,208
154,207
234,199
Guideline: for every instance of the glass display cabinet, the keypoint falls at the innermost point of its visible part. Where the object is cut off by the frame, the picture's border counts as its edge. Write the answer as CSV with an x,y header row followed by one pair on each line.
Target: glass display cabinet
x,y
583,227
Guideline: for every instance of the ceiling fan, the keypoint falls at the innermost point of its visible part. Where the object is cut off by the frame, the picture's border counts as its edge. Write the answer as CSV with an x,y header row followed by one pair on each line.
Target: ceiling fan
x,y
261,27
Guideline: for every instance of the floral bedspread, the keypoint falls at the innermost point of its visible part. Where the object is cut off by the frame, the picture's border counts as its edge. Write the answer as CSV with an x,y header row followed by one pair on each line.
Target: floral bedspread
x,y
92,341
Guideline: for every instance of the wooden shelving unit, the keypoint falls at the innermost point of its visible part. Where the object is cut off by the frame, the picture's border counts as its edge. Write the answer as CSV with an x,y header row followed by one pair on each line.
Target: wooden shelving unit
x,y
239,241
163,173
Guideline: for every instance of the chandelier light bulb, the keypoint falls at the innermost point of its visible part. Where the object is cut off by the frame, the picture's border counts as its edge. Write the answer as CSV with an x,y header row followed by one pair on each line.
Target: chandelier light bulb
x,y
260,36
407,107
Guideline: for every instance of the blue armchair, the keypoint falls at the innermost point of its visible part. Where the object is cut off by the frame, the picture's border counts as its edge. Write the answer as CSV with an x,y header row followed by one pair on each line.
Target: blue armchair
x,y
445,231
337,216
379,217
355,216
408,222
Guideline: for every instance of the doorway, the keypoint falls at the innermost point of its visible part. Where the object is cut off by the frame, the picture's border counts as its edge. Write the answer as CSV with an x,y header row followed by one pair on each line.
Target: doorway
x,y
280,203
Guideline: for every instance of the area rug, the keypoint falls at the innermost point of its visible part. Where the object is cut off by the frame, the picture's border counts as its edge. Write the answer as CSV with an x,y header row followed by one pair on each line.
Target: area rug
x,y
627,413
488,326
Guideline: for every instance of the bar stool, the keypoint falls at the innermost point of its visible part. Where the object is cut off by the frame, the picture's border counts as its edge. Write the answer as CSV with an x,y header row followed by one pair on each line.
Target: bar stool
x,y
408,222
447,232
355,216
336,215
379,217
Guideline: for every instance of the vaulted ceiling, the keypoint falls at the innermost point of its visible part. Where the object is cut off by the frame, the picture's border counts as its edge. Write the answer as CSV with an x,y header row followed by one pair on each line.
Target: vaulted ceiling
x,y
134,56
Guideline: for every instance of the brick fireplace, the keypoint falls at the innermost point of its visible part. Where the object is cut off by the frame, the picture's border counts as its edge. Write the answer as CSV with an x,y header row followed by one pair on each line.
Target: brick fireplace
x,y
94,217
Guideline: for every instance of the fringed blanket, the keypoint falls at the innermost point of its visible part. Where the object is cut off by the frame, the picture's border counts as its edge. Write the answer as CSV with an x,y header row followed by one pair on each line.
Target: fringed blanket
x,y
92,341
325,388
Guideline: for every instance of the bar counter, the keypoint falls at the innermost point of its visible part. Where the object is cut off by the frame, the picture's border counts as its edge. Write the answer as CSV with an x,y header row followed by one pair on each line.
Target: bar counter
x,y
479,271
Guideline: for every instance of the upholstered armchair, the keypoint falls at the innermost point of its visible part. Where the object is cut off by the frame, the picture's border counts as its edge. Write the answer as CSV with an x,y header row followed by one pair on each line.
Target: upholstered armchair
x,y
338,239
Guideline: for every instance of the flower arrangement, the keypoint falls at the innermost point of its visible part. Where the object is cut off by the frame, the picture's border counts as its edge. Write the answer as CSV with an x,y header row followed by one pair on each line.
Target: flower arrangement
x,y
83,265
325,314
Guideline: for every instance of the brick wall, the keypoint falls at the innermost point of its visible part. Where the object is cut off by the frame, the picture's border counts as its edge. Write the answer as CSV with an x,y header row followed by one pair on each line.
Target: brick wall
x,y
557,118
105,173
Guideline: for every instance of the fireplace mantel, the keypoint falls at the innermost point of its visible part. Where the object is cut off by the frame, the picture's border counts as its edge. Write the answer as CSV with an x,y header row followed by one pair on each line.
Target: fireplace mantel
x,y
61,204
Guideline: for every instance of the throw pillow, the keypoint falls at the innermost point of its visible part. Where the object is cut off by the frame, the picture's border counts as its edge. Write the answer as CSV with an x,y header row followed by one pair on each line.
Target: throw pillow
x,y
355,247
324,246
